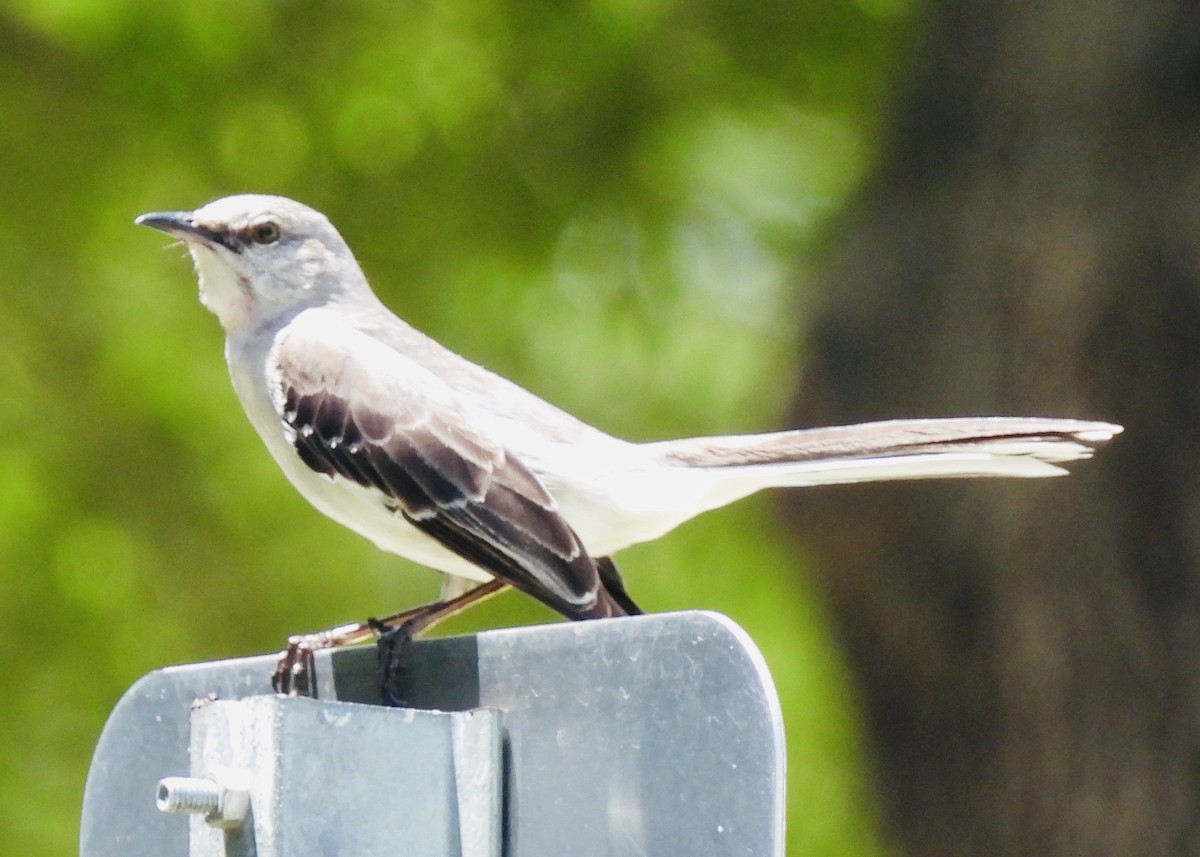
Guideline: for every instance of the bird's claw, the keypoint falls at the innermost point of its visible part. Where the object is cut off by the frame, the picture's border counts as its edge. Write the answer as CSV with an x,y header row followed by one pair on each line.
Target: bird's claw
x,y
295,671
392,647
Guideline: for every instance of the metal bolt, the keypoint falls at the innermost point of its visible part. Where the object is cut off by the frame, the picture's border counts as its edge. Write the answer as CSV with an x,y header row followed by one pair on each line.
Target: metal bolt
x,y
223,800
197,795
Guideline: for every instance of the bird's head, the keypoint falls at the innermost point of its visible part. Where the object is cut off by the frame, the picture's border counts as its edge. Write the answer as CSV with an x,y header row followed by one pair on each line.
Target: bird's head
x,y
261,257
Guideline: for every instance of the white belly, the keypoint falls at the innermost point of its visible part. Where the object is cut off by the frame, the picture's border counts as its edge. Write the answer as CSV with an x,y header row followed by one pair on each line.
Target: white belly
x,y
362,510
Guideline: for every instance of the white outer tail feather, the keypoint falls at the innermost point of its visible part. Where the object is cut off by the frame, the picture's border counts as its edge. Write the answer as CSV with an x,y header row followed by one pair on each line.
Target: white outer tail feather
x,y
707,473
1023,447
937,465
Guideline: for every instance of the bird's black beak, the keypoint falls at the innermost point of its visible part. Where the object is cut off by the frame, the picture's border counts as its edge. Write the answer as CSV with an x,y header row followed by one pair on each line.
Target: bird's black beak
x,y
179,224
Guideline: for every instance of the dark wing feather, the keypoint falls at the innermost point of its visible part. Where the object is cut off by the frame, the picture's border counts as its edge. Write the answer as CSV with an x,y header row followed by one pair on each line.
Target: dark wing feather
x,y
395,429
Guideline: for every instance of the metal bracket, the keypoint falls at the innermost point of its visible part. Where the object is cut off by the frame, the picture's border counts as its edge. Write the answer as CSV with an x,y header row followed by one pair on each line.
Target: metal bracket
x,y
648,735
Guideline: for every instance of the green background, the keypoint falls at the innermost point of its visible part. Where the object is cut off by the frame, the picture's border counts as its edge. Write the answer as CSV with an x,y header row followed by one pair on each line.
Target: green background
x,y
616,203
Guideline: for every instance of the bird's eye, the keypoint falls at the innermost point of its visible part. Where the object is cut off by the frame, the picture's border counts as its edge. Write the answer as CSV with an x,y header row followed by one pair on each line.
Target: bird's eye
x,y
265,233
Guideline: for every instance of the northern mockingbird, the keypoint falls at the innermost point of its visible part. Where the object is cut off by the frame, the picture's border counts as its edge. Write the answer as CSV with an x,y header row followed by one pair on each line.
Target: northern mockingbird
x,y
438,460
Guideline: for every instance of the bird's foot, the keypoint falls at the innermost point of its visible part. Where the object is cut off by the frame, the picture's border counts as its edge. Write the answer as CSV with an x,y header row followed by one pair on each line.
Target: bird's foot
x,y
392,646
294,670
295,675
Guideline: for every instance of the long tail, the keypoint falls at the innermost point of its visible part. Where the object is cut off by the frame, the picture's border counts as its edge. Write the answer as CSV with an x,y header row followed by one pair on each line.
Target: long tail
x,y
900,449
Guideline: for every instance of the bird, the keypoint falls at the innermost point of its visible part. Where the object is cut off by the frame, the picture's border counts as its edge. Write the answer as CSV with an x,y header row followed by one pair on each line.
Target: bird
x,y
437,459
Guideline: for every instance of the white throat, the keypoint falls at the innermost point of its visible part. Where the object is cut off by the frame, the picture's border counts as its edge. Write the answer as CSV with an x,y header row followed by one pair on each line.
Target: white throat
x,y
222,292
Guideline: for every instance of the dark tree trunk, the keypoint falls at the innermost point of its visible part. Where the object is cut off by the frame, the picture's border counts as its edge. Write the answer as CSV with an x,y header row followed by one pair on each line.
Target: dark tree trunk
x,y
1028,652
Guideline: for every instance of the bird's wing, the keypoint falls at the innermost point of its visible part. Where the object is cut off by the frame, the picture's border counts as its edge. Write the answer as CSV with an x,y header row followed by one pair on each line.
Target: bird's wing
x,y
355,408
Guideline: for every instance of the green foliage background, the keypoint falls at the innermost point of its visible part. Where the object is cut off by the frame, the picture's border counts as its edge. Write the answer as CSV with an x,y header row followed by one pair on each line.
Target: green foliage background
x,y
613,202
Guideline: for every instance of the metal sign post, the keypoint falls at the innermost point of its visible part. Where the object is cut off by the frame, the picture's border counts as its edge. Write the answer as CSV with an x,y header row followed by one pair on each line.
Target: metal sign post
x,y
653,735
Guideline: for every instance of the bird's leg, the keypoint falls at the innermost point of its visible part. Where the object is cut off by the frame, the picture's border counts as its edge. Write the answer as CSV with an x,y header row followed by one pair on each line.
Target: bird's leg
x,y
395,633
294,672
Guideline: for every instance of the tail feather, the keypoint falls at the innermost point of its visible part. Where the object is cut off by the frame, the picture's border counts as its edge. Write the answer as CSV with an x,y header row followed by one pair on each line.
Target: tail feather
x,y
684,478
902,449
